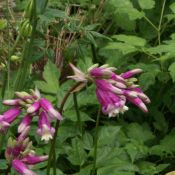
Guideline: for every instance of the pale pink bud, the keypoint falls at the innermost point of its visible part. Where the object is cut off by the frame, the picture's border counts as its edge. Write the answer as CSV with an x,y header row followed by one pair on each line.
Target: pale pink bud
x,y
138,102
34,107
26,121
13,102
33,159
131,73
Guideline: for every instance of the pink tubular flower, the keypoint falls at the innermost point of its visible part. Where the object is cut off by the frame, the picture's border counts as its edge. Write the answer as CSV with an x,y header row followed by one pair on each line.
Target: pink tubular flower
x,y
44,129
111,103
19,153
8,117
35,106
21,168
47,106
26,121
113,90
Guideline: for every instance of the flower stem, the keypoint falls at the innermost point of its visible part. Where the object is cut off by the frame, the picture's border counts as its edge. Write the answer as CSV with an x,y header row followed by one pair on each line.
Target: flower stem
x,y
8,170
96,141
94,53
77,112
53,142
160,22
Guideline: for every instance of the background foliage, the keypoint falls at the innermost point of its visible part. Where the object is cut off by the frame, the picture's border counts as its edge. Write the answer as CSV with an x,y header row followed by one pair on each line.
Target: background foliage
x,y
123,33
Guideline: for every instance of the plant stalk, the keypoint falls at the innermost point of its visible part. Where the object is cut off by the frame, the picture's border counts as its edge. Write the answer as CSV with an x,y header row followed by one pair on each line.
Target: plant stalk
x,y
77,112
53,142
96,141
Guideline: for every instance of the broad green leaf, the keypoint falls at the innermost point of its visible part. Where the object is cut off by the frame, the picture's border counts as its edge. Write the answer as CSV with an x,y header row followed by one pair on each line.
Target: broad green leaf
x,y
131,40
172,71
122,47
77,155
87,141
139,132
126,7
148,4
172,7
51,76
108,135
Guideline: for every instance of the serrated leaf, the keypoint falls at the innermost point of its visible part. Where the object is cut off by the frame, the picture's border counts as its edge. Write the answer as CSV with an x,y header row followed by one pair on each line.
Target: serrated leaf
x,y
130,39
122,47
77,154
139,132
51,76
148,4
172,71
108,135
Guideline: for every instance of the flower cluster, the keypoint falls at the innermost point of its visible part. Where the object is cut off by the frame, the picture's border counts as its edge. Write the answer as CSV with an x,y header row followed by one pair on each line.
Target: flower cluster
x,y
20,155
34,105
113,90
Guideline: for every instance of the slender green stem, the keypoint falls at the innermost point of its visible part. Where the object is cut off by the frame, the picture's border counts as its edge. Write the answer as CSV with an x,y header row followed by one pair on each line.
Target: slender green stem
x,y
150,23
8,170
77,112
96,142
1,141
53,142
54,160
94,53
160,22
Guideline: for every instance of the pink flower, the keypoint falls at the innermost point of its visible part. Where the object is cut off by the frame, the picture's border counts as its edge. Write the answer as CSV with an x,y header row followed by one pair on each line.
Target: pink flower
x,y
113,90
36,106
8,117
44,128
21,168
111,103
19,153
26,121
47,107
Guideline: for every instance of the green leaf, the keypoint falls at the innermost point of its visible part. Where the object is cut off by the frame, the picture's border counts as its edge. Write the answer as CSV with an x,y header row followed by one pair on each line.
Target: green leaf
x,y
3,165
172,71
122,47
148,4
172,7
51,76
3,24
139,132
71,115
87,141
108,135
77,155
131,40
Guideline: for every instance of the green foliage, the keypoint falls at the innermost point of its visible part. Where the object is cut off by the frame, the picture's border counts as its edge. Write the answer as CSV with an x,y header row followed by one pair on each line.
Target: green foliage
x,y
125,34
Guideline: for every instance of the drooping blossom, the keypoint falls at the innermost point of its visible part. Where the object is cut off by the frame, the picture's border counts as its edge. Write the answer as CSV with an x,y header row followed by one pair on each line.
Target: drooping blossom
x,y
20,155
8,117
35,106
113,90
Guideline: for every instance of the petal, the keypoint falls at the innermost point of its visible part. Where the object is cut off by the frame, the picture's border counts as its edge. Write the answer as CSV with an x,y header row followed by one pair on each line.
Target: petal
x,y
21,168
